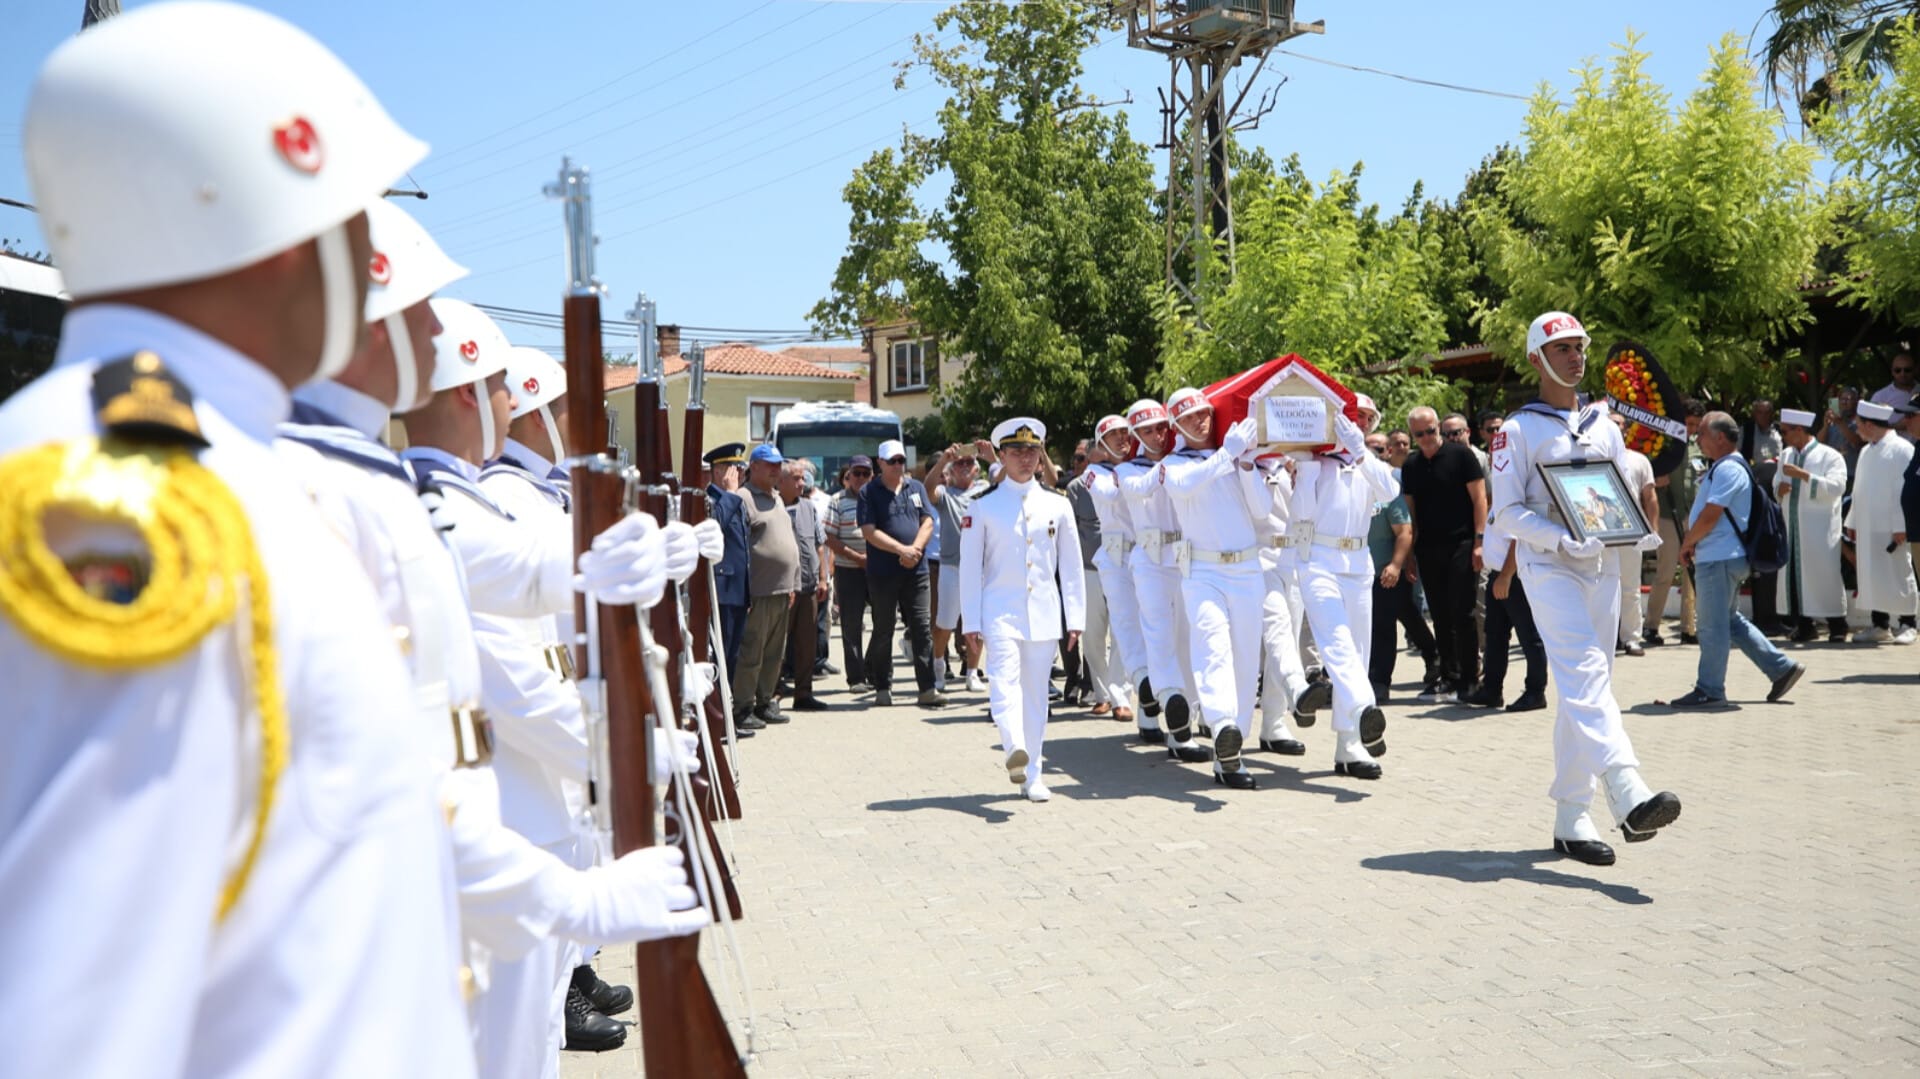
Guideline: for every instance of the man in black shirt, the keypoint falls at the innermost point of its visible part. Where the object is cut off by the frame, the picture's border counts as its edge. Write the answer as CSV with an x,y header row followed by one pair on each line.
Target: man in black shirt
x,y
896,518
1446,493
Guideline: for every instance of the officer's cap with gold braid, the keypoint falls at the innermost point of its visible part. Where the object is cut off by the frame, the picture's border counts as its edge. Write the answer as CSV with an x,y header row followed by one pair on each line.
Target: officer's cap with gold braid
x,y
733,453
1020,431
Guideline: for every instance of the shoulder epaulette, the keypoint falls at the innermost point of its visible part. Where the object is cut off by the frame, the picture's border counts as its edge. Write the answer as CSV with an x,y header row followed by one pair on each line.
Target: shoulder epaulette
x,y
136,398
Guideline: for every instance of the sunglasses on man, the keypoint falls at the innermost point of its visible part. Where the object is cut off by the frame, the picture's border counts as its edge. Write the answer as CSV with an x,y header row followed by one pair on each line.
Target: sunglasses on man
x,y
896,460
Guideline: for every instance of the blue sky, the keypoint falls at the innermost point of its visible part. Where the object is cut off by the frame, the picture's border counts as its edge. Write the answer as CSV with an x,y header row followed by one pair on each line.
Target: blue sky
x,y
721,133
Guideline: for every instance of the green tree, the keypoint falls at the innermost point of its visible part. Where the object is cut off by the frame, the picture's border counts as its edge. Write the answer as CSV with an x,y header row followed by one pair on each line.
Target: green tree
x,y
1690,231
1039,258
1876,144
1813,41
1316,273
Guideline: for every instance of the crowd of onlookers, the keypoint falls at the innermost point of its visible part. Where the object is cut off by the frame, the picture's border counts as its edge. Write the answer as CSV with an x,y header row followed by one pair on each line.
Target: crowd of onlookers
x,y
876,546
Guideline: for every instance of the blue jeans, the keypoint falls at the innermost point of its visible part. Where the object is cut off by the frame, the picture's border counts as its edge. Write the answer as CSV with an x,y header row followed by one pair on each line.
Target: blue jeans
x,y
1717,588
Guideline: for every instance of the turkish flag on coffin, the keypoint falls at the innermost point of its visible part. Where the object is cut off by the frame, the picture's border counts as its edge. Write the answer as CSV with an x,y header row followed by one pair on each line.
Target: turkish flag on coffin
x,y
1230,396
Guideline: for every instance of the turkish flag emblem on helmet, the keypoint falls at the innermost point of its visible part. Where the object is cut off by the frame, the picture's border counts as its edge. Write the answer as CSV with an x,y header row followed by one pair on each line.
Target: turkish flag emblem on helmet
x,y
299,144
531,385
380,268
470,351
1563,324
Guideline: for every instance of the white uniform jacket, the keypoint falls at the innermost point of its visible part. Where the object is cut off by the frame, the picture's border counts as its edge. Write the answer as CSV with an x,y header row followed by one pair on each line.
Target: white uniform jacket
x,y
1156,527
1213,497
1116,521
1535,435
126,795
520,572
1014,541
1334,496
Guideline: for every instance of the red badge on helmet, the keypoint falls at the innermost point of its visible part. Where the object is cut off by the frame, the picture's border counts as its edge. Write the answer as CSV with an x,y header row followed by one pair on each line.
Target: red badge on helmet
x,y
532,386
379,268
470,351
299,144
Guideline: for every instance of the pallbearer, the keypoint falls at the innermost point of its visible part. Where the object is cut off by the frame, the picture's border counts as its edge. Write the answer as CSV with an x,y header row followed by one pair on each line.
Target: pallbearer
x,y
1017,542
1116,544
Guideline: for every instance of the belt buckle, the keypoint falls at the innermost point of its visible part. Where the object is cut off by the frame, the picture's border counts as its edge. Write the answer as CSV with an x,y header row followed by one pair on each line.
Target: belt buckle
x,y
472,737
1228,558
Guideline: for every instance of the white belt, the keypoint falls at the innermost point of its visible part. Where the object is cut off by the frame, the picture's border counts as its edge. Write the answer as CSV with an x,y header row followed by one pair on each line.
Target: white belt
x,y
1116,545
1285,542
1340,543
472,737
1224,558
1153,539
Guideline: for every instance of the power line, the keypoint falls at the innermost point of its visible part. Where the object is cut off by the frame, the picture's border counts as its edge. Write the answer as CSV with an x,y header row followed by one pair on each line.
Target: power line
x,y
1403,78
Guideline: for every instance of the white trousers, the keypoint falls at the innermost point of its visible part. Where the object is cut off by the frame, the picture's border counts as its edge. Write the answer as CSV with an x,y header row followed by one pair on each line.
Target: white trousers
x,y
1105,668
520,1020
1339,609
1286,676
1163,621
1626,564
1223,609
1577,613
1129,662
1017,673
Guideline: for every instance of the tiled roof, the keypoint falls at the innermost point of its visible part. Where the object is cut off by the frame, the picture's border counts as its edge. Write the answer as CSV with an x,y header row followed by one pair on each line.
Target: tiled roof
x,y
737,359
618,376
825,354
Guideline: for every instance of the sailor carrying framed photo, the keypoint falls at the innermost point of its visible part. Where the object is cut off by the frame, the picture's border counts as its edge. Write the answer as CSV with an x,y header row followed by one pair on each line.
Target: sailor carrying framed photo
x,y
1593,502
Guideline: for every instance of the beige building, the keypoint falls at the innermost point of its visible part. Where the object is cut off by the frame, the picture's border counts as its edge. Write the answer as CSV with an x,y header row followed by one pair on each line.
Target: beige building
x,y
907,368
746,386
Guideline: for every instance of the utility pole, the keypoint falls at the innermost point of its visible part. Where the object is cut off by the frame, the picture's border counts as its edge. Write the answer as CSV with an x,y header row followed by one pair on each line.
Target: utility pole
x,y
1205,40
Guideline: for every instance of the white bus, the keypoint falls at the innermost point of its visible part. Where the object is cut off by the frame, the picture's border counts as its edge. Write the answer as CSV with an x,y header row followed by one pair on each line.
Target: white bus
x,y
831,433
33,302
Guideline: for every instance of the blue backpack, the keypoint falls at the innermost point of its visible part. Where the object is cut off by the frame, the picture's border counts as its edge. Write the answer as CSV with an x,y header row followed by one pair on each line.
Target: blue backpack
x,y
1765,537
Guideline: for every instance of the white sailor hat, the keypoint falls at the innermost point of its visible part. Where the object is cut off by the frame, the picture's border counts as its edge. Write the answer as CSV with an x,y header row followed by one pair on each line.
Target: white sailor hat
x,y
1875,411
1145,413
1796,417
1020,431
1185,400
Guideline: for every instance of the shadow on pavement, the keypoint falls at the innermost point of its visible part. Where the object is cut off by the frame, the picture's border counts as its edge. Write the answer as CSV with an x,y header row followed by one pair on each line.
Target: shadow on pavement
x,y
1877,678
1487,866
973,805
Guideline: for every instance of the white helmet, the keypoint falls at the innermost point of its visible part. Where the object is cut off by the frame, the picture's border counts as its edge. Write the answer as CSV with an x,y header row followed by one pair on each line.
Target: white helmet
x,y
1185,400
1145,413
469,350
1554,326
1363,403
537,380
406,268
186,140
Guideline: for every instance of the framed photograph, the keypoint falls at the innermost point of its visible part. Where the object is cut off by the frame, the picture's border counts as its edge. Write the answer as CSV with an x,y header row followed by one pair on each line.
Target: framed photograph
x,y
1594,502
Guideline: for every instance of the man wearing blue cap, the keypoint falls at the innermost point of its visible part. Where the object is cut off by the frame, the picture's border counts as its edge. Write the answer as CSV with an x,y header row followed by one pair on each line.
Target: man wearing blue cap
x,y
773,574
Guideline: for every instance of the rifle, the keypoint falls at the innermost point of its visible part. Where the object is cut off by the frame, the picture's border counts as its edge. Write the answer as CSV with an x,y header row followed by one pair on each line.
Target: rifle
x,y
697,597
682,1030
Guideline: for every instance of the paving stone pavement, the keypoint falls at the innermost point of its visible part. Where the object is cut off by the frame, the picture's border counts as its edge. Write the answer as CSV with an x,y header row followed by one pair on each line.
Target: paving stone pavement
x,y
909,915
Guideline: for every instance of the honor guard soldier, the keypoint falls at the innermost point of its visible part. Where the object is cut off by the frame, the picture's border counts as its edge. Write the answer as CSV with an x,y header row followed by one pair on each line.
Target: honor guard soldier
x,y
1333,499
1022,588
1111,561
1576,601
1284,686
212,795
727,466
1219,563
1156,583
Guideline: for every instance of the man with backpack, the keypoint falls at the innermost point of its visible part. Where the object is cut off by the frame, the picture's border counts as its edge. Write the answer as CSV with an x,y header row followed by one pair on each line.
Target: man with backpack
x,y
1735,531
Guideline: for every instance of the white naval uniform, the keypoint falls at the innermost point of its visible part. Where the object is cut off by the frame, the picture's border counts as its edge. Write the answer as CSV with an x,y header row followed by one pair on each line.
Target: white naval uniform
x,y
540,729
1221,588
1285,677
1333,501
1156,578
126,795
1576,602
1812,511
1885,577
1014,541
1116,578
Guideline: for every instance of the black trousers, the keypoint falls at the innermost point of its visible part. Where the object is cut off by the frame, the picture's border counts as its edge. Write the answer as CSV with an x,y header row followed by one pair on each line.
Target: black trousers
x,y
850,587
907,598
1447,574
1506,619
1391,606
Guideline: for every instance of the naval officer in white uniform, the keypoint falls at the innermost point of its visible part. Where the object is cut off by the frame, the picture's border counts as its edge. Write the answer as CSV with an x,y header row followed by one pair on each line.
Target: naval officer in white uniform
x,y
1574,594
1018,539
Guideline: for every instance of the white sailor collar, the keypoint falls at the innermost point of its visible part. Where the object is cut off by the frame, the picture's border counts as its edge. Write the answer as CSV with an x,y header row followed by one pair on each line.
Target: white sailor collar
x,y
460,466
243,392
527,458
357,410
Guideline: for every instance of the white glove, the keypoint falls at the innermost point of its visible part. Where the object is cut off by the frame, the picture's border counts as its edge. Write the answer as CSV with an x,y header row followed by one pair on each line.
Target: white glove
x,y
682,550
1238,438
627,563
643,895
1649,542
697,681
1351,438
1586,548
670,747
713,542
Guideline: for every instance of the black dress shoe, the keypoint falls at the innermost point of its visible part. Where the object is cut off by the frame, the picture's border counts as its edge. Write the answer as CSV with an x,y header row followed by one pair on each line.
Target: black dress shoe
x,y
1319,695
1357,769
1373,727
1484,697
587,1030
1286,747
1651,639
1650,816
1152,735
1805,635
1178,724
1689,638
1189,752
1528,702
1590,851
1239,779
605,999
1785,682
810,704
1148,704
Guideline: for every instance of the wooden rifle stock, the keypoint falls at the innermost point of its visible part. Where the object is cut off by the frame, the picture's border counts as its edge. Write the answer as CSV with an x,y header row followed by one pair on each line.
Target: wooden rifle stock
x,y
693,510
682,1031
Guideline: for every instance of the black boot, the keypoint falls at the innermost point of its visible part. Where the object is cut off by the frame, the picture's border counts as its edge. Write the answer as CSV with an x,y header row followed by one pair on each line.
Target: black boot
x,y
587,1030
1147,703
605,999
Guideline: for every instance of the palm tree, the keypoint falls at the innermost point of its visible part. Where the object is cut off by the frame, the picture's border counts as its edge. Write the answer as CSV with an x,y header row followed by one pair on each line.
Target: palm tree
x,y
1812,39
